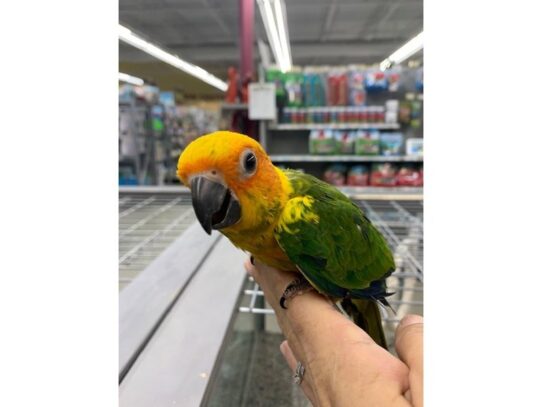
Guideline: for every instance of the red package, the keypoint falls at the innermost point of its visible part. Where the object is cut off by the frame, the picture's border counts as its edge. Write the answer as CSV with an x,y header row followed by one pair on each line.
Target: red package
x,y
358,176
383,175
409,176
334,175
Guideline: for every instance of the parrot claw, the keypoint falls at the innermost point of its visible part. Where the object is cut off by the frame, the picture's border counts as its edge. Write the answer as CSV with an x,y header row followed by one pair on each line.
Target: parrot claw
x,y
297,287
252,260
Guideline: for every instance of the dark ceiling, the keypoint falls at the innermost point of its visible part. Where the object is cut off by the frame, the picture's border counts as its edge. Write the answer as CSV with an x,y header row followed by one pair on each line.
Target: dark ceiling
x,y
205,32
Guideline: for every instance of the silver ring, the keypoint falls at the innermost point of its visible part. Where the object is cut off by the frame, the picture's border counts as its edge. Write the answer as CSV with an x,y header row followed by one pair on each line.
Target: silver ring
x,y
299,372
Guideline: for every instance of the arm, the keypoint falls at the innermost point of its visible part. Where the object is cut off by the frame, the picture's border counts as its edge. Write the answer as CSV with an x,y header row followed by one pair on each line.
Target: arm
x,y
344,366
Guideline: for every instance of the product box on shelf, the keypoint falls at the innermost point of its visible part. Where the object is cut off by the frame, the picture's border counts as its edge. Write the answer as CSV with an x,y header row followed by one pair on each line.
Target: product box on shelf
x,y
409,175
414,146
383,175
415,113
404,112
293,82
337,88
322,142
345,141
367,142
358,176
314,88
375,81
356,87
393,77
392,111
391,143
275,75
335,175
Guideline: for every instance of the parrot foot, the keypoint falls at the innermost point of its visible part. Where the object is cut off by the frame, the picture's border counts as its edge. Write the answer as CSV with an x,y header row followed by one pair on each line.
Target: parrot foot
x,y
297,287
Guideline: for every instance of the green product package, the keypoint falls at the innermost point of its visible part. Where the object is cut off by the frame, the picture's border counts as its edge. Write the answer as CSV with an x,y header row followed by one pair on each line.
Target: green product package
x,y
367,142
293,83
322,142
274,75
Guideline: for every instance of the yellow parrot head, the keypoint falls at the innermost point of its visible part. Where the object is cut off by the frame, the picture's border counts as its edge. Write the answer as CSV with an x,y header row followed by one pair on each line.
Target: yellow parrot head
x,y
231,179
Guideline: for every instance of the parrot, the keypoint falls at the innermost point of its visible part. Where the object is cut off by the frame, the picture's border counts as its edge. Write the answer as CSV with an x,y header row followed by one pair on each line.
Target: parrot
x,y
291,221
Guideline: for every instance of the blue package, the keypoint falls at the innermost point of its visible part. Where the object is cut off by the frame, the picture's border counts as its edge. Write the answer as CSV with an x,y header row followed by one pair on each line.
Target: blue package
x,y
375,81
391,143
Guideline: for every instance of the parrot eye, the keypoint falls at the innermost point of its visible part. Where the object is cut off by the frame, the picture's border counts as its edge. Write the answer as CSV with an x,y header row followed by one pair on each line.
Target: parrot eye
x,y
248,162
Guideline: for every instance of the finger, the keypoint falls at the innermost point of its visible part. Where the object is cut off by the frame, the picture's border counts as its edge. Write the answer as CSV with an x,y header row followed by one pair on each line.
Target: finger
x,y
292,363
249,267
409,346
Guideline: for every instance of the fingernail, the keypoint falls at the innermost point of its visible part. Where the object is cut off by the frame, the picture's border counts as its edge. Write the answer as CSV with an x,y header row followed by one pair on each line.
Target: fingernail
x,y
283,347
411,319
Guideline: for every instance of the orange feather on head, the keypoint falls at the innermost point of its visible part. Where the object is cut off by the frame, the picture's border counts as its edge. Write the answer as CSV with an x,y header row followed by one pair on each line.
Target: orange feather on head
x,y
262,194
220,151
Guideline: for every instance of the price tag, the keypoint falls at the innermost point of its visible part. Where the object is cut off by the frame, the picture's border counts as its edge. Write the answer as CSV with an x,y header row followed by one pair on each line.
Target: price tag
x,y
261,101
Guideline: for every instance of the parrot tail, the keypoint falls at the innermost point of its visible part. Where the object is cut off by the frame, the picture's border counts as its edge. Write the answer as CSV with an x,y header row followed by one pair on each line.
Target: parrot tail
x,y
366,314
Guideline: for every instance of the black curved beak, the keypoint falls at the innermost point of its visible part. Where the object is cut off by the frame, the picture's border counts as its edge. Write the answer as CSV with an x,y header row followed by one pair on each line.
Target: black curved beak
x,y
214,204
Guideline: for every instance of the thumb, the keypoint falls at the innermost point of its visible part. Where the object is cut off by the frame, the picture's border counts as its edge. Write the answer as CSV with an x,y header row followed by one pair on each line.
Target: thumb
x,y
409,346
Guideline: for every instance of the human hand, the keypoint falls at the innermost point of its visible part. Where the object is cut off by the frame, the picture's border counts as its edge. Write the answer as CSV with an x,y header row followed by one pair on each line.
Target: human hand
x,y
343,365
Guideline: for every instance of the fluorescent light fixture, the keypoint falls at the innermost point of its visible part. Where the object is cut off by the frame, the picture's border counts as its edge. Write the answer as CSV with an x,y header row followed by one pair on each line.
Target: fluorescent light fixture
x,y
274,21
283,35
406,51
135,40
130,79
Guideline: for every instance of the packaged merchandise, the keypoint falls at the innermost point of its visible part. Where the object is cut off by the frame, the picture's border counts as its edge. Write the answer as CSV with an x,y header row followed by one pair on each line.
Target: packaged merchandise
x,y
404,112
367,142
322,142
392,104
286,115
167,98
345,141
391,143
314,88
375,81
415,113
358,176
151,93
394,79
419,80
293,82
356,88
409,175
275,75
335,175
337,86
392,111
383,175
414,146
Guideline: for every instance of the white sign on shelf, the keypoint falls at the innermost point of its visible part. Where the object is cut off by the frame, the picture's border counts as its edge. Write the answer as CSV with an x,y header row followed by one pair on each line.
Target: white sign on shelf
x,y
261,101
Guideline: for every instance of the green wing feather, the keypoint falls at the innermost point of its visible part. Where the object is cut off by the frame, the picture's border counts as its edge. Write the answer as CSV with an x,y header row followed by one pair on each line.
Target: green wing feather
x,y
339,250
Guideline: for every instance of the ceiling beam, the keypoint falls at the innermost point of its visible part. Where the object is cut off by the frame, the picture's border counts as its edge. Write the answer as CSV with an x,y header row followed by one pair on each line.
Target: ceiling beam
x,y
330,15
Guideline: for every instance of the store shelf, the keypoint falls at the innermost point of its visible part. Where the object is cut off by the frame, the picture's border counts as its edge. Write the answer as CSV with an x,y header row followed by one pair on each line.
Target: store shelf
x,y
234,106
332,126
342,158
383,193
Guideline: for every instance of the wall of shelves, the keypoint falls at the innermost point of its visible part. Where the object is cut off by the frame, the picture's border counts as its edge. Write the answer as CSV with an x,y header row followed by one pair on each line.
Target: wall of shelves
x,y
308,158
287,139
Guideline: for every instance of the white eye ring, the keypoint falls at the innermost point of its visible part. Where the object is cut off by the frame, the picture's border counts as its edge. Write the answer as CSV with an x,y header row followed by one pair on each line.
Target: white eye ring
x,y
248,163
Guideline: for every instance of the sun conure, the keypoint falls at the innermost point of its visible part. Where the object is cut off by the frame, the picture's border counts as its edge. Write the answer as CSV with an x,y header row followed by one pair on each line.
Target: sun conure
x,y
291,221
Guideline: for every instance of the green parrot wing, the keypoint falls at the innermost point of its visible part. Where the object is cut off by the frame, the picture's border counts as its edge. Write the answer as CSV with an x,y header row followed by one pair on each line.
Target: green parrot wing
x,y
331,241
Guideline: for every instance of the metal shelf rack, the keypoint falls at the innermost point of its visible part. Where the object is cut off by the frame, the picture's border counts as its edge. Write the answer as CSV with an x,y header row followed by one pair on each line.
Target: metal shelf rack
x,y
187,307
334,126
342,158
